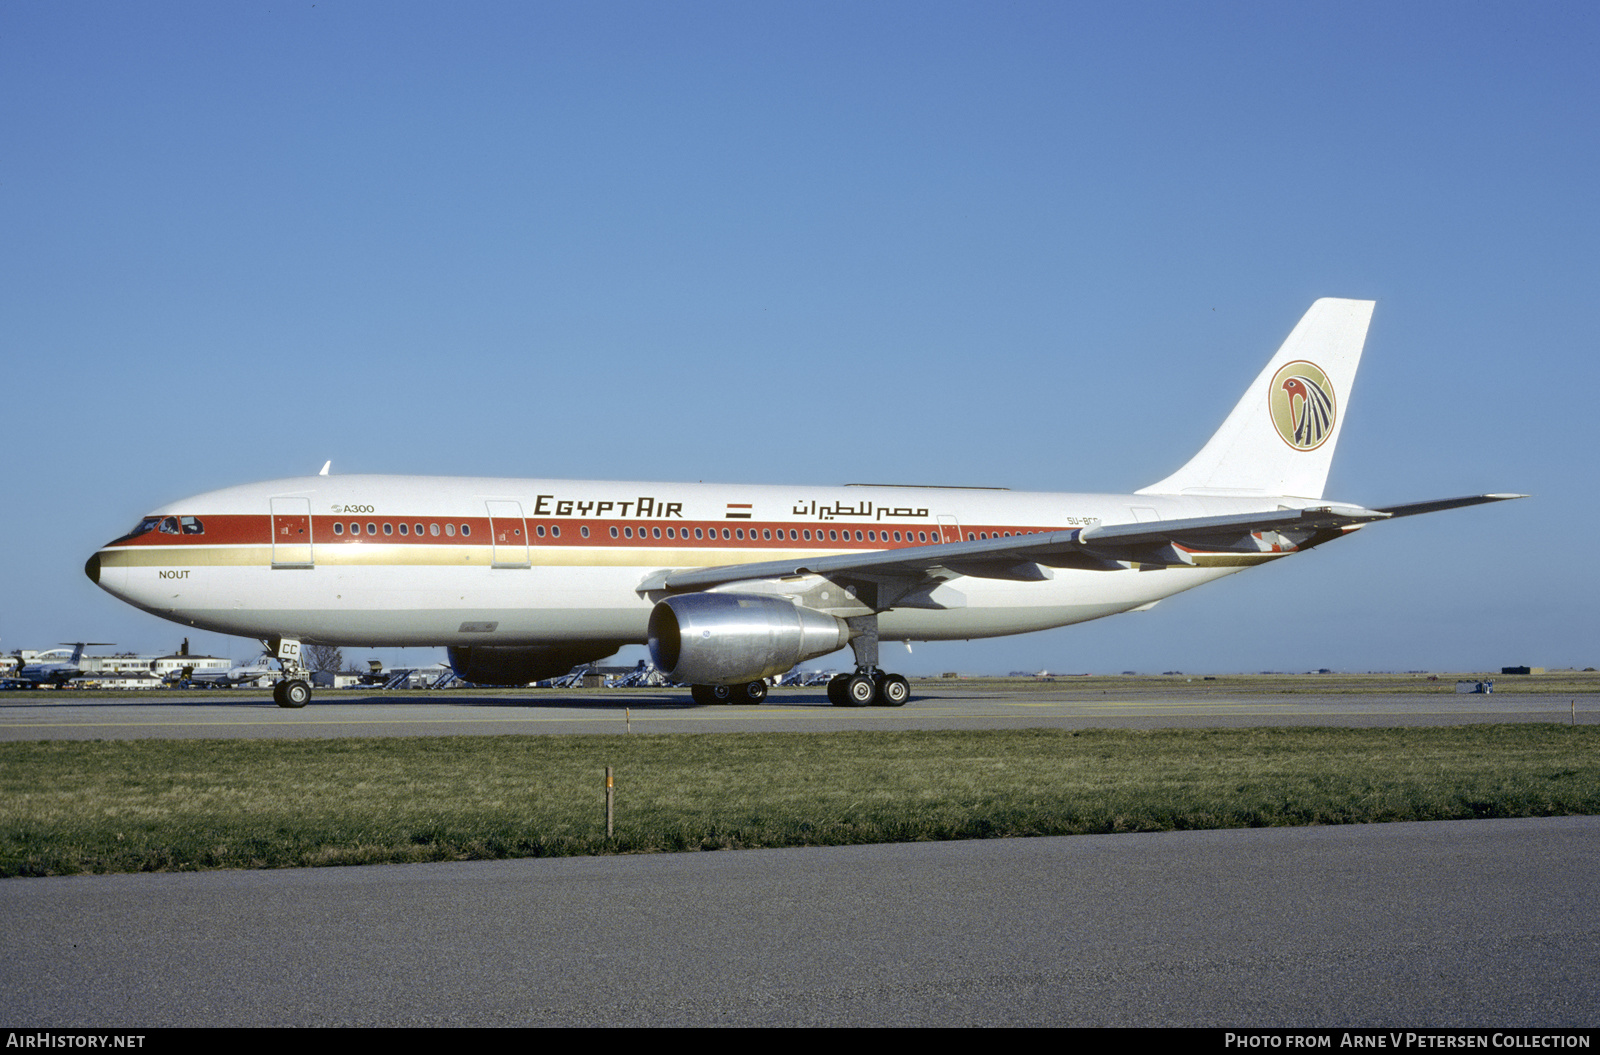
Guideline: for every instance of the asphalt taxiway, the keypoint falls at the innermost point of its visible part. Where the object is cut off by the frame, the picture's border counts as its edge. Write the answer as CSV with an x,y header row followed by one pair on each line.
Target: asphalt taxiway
x,y
231,714
1487,923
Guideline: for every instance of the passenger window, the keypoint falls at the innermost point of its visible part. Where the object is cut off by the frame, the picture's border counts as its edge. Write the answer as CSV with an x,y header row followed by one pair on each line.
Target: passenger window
x,y
372,529
355,529
388,529
338,528
584,531
466,529
656,533
402,529
555,530
628,531
613,531
433,529
539,531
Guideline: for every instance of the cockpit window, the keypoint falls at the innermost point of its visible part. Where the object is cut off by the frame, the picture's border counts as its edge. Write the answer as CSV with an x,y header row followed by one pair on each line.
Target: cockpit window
x,y
169,525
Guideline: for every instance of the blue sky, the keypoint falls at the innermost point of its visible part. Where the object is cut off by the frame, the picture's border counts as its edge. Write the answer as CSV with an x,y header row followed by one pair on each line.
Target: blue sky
x,y
1042,246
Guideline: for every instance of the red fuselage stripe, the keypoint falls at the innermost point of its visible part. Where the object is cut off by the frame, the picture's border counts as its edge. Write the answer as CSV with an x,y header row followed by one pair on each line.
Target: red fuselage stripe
x,y
256,530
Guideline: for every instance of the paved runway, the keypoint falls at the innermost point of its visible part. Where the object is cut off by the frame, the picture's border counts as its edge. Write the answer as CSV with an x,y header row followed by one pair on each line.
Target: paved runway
x,y
36,716
1471,923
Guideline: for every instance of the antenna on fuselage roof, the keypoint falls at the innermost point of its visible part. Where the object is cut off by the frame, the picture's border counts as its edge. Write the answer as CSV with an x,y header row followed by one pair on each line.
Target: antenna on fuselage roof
x,y
325,467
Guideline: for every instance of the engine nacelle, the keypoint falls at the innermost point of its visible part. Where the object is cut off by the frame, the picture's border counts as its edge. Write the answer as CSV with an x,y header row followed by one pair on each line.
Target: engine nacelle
x,y
728,639
520,664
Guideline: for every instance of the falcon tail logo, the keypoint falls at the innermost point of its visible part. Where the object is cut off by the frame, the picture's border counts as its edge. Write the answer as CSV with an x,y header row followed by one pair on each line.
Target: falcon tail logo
x,y
1300,400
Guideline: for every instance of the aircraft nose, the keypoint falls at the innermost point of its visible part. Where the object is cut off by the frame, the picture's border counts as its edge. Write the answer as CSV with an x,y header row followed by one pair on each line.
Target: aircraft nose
x,y
91,568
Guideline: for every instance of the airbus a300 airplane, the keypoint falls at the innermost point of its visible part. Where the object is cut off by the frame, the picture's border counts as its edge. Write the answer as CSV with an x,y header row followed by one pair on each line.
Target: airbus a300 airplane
x,y
729,585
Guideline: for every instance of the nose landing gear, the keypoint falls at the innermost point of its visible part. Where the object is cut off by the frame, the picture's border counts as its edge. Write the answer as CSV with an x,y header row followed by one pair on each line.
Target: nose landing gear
x,y
294,691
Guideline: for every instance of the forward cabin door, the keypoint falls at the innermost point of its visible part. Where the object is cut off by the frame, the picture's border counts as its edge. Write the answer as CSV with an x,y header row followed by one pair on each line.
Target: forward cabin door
x,y
949,529
509,535
291,533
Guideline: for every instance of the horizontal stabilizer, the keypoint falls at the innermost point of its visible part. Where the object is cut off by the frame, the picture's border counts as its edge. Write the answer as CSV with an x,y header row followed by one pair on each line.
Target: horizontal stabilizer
x,y
1411,509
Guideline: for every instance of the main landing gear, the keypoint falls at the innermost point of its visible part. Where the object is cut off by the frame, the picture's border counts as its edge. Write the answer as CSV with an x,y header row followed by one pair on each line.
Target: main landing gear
x,y
750,692
868,686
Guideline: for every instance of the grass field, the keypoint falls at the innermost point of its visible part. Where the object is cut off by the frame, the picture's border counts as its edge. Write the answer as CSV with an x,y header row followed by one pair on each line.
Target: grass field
x,y
162,805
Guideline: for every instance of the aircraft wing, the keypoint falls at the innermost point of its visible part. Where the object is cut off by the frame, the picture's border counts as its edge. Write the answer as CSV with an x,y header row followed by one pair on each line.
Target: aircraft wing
x,y
1027,558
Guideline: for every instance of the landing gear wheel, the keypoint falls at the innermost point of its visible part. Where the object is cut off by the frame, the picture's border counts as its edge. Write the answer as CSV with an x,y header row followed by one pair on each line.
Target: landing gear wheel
x,y
836,690
893,691
712,694
753,692
859,690
292,694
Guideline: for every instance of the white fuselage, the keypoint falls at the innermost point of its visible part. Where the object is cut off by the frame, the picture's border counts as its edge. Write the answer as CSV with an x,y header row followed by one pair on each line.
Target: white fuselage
x,y
446,561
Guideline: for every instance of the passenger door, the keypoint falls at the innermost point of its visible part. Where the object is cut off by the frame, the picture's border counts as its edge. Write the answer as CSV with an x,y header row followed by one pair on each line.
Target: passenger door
x,y
509,535
291,533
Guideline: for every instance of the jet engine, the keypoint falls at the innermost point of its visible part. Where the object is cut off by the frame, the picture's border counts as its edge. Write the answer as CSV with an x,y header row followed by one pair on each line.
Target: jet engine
x,y
728,639
520,664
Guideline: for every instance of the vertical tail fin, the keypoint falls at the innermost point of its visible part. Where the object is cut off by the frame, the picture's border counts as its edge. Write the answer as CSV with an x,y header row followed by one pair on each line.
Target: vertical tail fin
x,y
1280,437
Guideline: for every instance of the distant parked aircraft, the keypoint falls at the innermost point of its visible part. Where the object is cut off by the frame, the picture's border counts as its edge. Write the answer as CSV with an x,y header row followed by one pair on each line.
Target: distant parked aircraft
x,y
250,673
55,672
